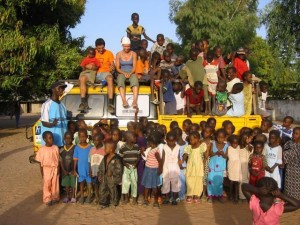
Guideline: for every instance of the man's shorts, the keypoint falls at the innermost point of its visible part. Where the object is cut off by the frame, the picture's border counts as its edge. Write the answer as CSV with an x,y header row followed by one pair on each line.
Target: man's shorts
x,y
81,178
91,74
68,181
101,76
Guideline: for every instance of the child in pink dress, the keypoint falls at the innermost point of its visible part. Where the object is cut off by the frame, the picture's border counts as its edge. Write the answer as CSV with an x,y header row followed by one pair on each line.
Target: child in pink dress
x,y
261,201
48,156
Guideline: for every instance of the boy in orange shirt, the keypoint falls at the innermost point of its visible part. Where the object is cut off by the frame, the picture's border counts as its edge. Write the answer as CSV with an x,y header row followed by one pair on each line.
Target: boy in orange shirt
x,y
142,65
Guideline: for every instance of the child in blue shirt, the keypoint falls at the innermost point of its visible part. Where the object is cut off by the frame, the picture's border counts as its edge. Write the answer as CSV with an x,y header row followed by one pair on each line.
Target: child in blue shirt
x,y
81,163
286,130
168,94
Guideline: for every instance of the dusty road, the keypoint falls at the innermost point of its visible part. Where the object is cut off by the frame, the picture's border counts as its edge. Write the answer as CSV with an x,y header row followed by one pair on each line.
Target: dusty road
x,y
21,196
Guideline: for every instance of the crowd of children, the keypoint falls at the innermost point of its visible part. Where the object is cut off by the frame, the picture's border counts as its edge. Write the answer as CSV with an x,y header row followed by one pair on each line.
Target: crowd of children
x,y
194,164
225,87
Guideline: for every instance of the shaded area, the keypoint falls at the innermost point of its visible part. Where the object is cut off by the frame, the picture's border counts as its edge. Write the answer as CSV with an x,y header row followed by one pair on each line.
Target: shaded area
x,y
31,209
8,153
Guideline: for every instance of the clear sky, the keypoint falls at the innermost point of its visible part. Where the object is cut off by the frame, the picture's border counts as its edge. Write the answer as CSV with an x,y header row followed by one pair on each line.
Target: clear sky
x,y
109,20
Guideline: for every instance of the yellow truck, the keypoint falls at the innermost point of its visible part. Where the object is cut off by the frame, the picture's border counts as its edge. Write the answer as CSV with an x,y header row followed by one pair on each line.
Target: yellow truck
x,y
97,100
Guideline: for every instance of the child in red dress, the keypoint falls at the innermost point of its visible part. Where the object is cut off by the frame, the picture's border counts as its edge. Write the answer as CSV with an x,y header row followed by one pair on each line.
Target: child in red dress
x,y
257,163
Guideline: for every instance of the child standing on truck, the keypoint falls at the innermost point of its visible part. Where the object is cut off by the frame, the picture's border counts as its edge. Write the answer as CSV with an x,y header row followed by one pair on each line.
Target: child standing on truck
x,y
48,157
247,90
211,68
66,167
81,164
135,32
168,94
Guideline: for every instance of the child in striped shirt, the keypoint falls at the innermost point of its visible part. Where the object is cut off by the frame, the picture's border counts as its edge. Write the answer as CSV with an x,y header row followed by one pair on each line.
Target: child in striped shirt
x,y
130,156
153,168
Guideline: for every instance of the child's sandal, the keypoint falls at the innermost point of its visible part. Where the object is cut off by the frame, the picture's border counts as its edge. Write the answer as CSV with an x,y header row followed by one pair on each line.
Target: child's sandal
x,y
81,200
145,203
65,200
156,205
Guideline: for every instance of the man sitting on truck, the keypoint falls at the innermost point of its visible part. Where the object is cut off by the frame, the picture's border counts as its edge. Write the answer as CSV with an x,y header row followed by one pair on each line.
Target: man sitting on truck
x,y
106,60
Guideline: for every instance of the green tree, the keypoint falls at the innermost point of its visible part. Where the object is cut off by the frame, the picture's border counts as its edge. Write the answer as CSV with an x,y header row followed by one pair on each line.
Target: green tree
x,y
229,23
36,47
282,20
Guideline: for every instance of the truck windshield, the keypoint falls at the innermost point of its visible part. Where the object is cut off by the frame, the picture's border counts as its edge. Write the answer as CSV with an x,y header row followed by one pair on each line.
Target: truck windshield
x,y
96,103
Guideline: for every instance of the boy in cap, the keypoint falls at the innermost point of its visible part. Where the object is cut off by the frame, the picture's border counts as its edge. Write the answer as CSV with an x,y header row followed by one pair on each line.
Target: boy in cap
x,y
54,114
240,63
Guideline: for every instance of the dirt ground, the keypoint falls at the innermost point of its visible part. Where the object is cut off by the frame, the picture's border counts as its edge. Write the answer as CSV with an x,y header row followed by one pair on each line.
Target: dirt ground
x,y
21,196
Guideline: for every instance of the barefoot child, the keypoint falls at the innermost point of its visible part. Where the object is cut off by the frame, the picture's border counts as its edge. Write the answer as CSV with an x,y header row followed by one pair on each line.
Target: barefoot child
x,y
234,168
81,164
217,166
153,167
130,155
182,144
110,176
66,167
195,152
257,163
246,150
273,153
261,201
96,156
292,158
48,157
206,133
171,169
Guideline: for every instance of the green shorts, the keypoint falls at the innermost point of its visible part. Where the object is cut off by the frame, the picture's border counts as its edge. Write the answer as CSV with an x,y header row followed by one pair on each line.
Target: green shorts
x,y
68,181
134,82
91,75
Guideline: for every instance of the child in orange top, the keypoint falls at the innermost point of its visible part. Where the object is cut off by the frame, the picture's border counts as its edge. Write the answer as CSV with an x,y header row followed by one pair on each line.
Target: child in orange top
x,y
142,65
48,156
